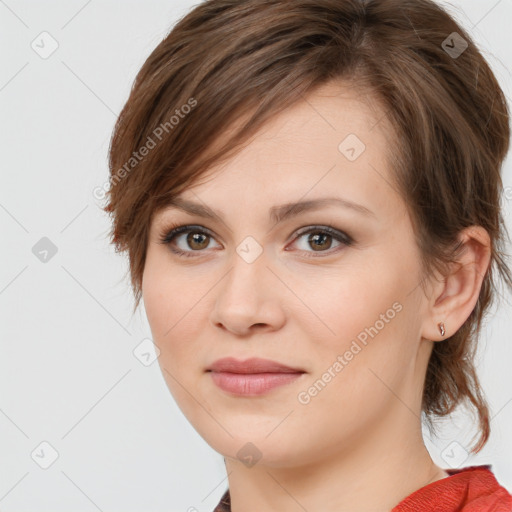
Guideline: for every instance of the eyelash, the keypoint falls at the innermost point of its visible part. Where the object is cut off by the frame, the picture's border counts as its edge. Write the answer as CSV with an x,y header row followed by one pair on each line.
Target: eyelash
x,y
171,232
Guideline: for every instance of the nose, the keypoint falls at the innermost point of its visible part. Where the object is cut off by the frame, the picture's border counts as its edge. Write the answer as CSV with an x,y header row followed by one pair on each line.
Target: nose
x,y
249,298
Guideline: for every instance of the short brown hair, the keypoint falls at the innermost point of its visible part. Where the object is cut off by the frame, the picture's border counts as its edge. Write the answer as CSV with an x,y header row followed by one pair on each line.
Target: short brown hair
x,y
227,59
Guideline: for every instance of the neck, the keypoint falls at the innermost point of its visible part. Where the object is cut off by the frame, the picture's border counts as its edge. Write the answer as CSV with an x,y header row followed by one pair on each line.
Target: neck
x,y
375,473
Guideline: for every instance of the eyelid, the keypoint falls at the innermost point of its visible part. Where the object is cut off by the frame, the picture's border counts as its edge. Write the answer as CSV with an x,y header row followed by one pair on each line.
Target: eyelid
x,y
171,232
325,228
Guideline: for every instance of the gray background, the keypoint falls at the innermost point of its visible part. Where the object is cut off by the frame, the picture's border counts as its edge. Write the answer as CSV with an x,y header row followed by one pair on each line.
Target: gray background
x,y
69,376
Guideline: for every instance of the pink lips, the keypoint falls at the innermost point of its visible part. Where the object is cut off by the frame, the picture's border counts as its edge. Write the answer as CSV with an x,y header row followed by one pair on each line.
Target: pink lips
x,y
251,377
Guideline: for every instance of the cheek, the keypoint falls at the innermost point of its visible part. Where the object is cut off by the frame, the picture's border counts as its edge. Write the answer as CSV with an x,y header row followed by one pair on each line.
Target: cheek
x,y
365,315
173,304
162,304
174,329
357,371
156,301
342,302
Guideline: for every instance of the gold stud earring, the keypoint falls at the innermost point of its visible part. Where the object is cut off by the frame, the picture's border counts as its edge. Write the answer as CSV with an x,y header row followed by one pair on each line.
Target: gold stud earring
x,y
441,328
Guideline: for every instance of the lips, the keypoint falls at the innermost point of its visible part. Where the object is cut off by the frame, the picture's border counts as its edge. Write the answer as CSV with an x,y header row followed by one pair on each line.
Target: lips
x,y
252,365
252,377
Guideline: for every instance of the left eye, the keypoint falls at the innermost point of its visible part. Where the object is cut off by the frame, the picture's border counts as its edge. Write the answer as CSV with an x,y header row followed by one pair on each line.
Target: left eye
x,y
198,238
320,238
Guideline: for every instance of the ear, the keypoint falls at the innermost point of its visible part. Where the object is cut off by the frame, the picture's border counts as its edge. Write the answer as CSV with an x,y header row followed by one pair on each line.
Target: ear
x,y
455,295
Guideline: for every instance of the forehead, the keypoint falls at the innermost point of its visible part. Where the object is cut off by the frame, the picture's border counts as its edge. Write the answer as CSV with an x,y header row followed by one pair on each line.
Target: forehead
x,y
334,141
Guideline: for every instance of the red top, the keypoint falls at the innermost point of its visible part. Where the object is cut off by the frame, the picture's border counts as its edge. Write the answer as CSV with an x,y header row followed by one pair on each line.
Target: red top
x,y
470,489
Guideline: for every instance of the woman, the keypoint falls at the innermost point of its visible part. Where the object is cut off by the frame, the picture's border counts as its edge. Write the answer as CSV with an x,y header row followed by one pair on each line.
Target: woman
x,y
309,194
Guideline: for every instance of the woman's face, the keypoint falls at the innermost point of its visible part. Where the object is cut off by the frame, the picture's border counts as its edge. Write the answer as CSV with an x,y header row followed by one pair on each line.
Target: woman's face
x,y
346,312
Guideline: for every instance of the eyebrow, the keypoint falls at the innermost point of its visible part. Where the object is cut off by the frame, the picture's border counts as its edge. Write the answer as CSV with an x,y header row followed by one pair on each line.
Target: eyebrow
x,y
277,214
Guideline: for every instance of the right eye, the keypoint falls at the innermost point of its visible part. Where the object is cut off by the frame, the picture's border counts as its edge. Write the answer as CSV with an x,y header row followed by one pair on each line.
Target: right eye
x,y
197,239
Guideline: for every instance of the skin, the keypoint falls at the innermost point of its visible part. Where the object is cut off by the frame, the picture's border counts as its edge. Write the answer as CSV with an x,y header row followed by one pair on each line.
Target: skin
x,y
357,444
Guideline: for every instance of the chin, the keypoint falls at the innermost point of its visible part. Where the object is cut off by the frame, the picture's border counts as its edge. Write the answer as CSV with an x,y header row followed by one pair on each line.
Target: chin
x,y
257,447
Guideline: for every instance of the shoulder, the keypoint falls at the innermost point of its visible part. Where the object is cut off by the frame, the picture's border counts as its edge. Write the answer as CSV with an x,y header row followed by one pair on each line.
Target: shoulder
x,y
469,489
224,504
